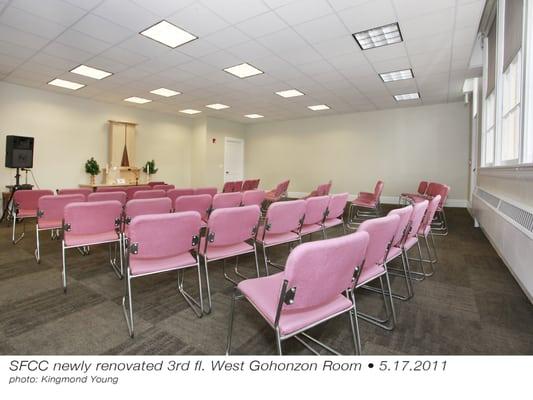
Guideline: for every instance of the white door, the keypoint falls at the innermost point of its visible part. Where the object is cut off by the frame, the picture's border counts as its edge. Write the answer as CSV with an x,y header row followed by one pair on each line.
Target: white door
x,y
233,159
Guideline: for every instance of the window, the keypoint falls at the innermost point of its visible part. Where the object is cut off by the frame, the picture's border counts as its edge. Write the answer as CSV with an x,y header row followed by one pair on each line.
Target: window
x,y
510,135
490,125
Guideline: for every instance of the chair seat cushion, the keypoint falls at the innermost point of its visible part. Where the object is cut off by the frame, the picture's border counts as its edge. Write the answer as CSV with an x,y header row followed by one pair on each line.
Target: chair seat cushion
x,y
311,228
369,273
272,239
264,292
393,253
219,252
26,213
141,266
332,222
95,238
410,242
50,224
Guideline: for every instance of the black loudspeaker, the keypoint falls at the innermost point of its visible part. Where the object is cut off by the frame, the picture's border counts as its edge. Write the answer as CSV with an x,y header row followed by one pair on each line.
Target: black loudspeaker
x,y
19,152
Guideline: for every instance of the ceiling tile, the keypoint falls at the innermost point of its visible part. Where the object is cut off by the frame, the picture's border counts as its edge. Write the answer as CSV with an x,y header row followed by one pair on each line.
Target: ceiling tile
x,y
431,24
53,10
80,40
301,11
262,25
27,22
198,20
234,11
102,29
163,8
127,14
322,29
368,15
412,8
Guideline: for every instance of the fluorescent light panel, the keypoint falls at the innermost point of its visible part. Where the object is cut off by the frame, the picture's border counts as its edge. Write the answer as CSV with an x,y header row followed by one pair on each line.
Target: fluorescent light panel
x,y
190,111
407,96
319,107
377,37
217,106
290,93
397,75
244,70
165,92
91,72
254,116
137,100
168,34
66,84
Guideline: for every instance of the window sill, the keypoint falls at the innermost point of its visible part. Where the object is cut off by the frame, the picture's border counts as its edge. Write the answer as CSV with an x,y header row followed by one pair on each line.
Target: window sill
x,y
519,172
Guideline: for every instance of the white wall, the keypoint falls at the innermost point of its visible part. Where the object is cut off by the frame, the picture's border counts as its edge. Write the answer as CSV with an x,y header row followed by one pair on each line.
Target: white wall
x,y
399,146
68,130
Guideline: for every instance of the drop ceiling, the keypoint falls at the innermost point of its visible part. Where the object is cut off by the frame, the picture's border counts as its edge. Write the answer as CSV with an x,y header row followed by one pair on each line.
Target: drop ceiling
x,y
305,45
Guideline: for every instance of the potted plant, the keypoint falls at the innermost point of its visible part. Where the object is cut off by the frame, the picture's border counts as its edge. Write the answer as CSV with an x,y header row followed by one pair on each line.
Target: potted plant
x,y
92,168
150,168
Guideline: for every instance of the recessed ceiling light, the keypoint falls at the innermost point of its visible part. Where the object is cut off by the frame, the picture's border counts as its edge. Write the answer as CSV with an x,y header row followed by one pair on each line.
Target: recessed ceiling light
x,y
244,70
91,72
397,75
319,107
407,96
217,106
165,92
66,84
137,100
377,37
254,116
290,93
190,111
168,34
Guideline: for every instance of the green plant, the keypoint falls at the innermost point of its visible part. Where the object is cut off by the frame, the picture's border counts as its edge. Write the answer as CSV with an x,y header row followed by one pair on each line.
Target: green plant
x,y
92,167
150,167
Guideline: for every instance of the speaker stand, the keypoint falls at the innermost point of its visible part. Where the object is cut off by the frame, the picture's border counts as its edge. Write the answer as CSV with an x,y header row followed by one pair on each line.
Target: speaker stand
x,y
14,188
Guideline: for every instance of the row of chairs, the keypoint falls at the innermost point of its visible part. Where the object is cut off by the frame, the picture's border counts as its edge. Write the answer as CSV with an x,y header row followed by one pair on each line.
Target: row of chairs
x,y
241,186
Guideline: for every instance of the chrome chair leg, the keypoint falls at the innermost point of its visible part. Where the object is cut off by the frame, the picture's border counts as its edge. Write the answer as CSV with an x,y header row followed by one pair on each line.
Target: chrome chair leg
x,y
278,342
354,324
128,310
230,324
64,271
196,306
37,245
207,287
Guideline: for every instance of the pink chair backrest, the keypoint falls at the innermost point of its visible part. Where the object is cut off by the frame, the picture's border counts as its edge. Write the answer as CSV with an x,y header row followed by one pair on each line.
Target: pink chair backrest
x,y
197,202
323,189
405,214
228,187
285,216
149,194
137,207
229,226
430,213
445,190
378,189
250,197
250,184
337,203
237,186
132,190
281,188
83,191
315,209
92,217
51,208
433,189
111,189
173,194
103,196
163,235
381,232
206,190
152,184
422,187
322,270
225,200
29,199
163,187
419,210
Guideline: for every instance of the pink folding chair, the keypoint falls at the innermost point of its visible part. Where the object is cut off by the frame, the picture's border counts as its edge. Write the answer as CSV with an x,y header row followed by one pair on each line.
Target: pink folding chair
x,y
230,233
85,192
228,187
106,196
250,197
50,216
152,184
211,191
226,200
315,287
173,194
92,223
237,186
315,213
425,232
137,207
282,225
198,202
173,248
422,187
277,193
133,189
149,194
381,233
335,211
250,184
366,205
24,205
104,189
163,187
439,225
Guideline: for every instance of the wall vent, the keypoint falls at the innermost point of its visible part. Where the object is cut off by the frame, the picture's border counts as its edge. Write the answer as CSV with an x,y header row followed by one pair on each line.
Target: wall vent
x,y
520,216
489,198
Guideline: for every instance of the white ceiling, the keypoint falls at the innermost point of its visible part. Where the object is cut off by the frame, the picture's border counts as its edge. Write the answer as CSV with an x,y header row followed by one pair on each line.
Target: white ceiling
x,y
301,44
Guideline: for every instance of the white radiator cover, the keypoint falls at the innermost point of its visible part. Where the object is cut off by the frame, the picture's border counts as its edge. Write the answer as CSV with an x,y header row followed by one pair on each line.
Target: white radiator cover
x,y
509,227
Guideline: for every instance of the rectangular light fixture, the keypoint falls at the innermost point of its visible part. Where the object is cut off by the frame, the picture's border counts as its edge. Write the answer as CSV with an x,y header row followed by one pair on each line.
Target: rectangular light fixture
x,y
165,92
190,111
319,107
290,93
407,96
66,84
137,100
254,116
377,37
397,75
244,70
217,106
91,72
168,34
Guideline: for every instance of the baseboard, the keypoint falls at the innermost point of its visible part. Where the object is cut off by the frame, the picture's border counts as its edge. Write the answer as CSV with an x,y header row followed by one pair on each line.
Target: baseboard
x,y
455,203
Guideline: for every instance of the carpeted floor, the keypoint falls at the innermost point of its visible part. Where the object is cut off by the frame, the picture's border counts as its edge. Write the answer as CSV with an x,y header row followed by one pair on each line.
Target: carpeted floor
x,y
472,305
